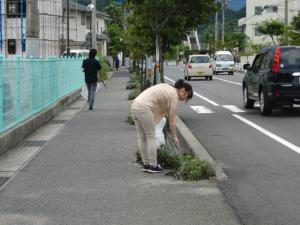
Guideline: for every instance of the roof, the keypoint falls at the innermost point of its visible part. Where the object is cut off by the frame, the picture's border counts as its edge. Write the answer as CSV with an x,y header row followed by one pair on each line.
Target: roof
x,y
81,8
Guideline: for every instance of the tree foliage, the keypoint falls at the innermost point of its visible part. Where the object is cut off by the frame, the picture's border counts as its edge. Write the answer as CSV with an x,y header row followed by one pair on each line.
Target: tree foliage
x,y
295,30
272,28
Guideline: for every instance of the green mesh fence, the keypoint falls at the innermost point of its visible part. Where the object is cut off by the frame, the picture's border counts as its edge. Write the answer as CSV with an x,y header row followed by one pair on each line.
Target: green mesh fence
x,y
28,86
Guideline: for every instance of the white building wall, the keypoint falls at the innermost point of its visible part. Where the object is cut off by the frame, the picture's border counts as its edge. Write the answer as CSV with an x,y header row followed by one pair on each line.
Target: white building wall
x,y
252,21
50,27
77,31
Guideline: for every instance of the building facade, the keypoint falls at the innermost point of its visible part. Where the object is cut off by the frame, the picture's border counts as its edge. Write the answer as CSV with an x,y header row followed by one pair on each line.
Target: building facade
x,y
258,11
80,28
38,28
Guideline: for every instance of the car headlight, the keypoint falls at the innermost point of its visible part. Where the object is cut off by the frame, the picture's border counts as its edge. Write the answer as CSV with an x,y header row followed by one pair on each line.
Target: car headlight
x,y
218,65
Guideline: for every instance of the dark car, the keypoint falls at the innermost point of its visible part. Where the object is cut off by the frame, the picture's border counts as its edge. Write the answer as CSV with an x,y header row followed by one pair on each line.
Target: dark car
x,y
273,79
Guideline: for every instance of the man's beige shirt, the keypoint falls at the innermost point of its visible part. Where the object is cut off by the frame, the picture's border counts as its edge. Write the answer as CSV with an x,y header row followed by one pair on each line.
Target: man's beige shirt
x,y
160,99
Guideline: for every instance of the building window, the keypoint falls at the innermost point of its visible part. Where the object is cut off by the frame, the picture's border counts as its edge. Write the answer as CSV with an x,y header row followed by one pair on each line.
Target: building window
x,y
82,18
11,46
97,27
13,9
271,9
258,10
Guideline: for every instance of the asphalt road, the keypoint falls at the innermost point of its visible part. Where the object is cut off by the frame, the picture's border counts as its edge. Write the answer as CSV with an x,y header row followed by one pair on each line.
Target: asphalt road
x,y
260,155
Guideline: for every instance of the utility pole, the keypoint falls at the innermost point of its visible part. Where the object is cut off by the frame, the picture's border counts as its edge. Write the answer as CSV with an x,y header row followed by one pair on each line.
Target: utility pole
x,y
286,9
68,28
216,28
223,20
94,43
32,29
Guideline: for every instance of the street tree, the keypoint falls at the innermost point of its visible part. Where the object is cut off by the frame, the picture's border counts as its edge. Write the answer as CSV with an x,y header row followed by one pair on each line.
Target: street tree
x,y
295,30
272,28
175,16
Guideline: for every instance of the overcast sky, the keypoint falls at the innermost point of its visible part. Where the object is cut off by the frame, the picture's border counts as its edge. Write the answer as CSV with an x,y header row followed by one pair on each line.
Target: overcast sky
x,y
237,4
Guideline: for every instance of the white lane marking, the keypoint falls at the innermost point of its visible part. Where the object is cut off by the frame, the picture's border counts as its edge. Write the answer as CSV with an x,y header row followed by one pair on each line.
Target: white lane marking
x,y
198,95
201,109
231,82
233,108
270,134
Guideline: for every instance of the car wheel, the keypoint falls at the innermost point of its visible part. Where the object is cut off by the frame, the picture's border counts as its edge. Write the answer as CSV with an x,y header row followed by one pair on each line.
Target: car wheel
x,y
264,105
248,103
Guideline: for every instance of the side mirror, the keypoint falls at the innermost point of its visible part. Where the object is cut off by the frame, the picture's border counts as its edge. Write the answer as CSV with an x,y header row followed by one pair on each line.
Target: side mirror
x,y
246,66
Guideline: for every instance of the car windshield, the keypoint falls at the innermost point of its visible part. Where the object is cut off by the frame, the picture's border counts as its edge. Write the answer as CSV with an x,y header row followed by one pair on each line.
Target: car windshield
x,y
290,58
199,59
225,57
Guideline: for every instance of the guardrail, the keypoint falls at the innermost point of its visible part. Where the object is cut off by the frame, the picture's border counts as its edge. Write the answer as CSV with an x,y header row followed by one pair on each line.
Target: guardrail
x,y
28,86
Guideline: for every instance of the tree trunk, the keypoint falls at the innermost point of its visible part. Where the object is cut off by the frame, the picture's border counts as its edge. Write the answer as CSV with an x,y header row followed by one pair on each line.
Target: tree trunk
x,y
157,65
161,68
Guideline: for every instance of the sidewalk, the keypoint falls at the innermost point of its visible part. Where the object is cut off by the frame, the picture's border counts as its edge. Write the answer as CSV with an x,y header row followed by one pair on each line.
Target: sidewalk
x,y
86,175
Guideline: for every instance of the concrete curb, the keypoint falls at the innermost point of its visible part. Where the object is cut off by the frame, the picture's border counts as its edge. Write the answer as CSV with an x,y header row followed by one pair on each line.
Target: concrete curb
x,y
15,135
195,147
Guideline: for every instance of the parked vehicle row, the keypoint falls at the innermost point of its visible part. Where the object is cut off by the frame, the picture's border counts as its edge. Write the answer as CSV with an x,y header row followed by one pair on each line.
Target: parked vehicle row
x,y
202,65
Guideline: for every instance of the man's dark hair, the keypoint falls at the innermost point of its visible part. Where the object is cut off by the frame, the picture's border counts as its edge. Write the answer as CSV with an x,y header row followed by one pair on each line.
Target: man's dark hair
x,y
93,53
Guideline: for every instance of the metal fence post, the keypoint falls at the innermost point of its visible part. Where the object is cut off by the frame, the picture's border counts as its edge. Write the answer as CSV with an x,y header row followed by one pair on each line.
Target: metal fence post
x,y
42,75
31,88
1,95
18,107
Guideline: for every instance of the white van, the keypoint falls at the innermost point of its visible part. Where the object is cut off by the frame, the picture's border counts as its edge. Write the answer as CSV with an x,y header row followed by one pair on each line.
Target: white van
x,y
77,53
223,61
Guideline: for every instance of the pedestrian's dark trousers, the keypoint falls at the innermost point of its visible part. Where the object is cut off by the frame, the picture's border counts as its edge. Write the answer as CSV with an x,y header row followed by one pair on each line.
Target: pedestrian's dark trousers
x,y
91,93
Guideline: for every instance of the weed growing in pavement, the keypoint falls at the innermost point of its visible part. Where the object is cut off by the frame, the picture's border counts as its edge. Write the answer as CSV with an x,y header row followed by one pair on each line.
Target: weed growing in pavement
x,y
133,94
193,169
183,167
131,86
130,120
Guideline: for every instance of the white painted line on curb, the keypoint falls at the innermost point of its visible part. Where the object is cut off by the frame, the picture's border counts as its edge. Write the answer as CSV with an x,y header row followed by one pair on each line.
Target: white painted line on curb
x,y
231,82
233,108
268,133
201,109
198,95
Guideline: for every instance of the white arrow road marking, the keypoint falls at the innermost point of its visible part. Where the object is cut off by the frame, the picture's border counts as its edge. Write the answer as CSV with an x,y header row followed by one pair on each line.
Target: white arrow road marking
x,y
201,109
268,133
233,108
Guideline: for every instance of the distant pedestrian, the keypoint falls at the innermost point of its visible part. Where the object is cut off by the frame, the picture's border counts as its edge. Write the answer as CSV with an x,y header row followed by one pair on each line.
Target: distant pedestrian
x,y
91,68
117,63
148,109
